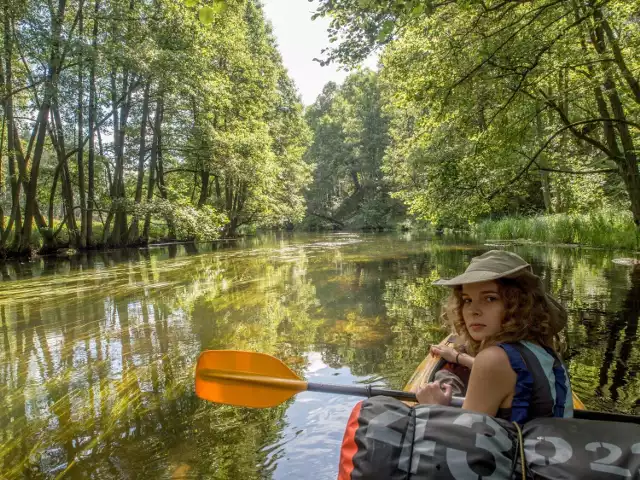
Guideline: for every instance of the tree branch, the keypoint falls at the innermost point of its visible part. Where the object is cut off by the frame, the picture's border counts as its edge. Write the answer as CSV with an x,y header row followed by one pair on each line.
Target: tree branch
x,y
532,160
18,90
98,124
188,170
632,82
577,133
500,47
527,70
324,217
574,172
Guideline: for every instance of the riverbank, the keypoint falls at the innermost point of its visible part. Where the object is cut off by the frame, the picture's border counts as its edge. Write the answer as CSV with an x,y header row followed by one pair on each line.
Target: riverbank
x,y
62,247
603,228
158,234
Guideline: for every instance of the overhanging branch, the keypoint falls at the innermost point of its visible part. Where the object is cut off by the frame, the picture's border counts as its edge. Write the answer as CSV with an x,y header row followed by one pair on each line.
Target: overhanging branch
x,y
188,170
533,159
576,172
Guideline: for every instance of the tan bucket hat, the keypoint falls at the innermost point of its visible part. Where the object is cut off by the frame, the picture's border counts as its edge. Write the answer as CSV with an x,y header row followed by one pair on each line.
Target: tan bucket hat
x,y
496,264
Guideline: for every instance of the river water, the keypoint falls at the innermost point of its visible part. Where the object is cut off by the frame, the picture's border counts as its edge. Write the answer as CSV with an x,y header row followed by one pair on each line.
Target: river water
x,y
97,352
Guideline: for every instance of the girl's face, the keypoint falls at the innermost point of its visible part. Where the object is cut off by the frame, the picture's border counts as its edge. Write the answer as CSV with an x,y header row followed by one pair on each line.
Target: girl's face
x,y
482,309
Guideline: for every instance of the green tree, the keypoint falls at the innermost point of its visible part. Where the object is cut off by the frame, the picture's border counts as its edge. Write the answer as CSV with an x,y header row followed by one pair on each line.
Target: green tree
x,y
350,139
495,103
134,121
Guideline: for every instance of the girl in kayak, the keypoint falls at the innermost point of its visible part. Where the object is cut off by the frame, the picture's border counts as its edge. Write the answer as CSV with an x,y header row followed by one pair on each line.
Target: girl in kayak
x,y
508,326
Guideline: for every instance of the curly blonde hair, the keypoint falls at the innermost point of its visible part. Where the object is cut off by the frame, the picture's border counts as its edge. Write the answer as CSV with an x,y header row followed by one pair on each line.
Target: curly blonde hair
x,y
526,316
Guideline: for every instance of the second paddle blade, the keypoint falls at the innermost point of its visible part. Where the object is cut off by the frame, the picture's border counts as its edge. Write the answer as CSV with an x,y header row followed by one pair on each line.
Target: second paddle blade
x,y
245,379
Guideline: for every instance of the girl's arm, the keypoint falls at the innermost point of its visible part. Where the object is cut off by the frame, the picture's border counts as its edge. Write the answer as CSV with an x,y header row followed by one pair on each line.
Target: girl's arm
x,y
491,382
453,356
466,360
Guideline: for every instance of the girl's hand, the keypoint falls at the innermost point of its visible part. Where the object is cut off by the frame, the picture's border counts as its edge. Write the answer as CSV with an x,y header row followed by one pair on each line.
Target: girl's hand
x,y
448,353
435,394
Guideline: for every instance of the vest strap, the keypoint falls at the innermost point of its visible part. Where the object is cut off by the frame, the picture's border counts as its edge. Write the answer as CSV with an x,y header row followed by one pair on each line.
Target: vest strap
x,y
560,383
524,384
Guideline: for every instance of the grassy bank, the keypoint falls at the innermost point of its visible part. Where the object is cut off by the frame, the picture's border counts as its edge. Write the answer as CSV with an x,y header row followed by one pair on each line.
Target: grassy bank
x,y
604,228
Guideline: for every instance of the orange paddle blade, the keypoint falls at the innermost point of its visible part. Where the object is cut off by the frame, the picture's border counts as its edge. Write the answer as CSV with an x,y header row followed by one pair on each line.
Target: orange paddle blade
x,y
245,379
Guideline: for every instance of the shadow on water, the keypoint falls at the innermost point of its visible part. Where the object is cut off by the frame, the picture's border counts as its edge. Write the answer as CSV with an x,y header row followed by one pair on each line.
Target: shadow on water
x,y
97,351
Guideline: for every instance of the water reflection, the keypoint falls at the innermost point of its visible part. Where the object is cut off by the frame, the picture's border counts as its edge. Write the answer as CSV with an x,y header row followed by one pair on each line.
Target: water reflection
x,y
97,351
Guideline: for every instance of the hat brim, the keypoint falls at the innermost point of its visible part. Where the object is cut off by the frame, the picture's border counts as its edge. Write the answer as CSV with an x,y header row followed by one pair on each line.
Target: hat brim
x,y
479,276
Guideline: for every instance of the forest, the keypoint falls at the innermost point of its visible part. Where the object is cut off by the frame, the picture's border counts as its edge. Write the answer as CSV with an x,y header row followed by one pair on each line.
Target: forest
x,y
125,121
131,121
490,110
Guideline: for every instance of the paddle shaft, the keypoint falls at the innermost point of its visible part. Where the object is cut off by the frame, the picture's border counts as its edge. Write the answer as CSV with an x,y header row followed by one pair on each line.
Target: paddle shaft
x,y
369,391
301,385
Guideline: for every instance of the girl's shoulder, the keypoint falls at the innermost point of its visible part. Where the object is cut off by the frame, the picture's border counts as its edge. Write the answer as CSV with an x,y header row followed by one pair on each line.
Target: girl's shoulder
x,y
492,359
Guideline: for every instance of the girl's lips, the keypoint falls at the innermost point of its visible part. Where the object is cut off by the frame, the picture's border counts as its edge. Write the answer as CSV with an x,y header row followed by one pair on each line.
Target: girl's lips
x,y
476,326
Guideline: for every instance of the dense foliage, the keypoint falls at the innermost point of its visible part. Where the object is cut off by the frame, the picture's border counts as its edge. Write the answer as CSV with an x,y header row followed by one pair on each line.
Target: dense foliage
x,y
350,137
502,107
128,120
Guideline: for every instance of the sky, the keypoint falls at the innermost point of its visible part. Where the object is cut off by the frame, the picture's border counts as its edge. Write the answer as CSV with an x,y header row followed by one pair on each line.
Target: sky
x,y
300,39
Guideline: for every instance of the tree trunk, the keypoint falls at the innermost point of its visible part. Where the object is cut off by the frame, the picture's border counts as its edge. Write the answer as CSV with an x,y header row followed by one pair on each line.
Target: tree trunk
x,y
161,185
15,218
218,191
230,228
20,158
67,195
228,195
92,120
204,189
235,197
242,196
67,187
2,129
632,82
1,150
80,158
628,164
153,160
542,162
354,178
52,194
119,233
119,126
50,94
133,230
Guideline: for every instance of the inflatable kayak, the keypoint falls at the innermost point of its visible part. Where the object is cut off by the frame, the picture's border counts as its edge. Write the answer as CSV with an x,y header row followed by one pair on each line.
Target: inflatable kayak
x,y
389,439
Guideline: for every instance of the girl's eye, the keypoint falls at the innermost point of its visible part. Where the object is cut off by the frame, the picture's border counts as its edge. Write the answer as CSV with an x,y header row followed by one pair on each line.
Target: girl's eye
x,y
466,300
491,299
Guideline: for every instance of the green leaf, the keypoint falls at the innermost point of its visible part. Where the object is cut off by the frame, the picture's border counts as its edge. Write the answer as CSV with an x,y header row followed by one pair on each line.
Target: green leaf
x,y
417,10
190,3
219,6
206,15
387,28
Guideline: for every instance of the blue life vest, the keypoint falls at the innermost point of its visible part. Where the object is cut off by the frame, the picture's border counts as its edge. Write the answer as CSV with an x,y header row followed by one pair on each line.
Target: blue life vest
x,y
542,389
